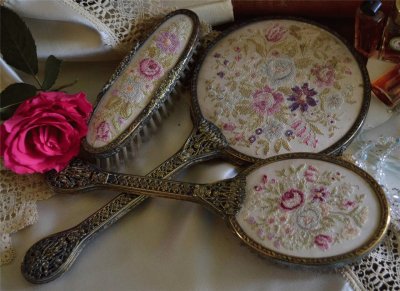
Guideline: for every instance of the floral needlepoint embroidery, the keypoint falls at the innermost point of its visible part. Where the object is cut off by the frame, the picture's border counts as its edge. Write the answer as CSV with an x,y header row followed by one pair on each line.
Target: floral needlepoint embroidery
x,y
320,194
300,207
275,33
150,69
273,129
302,98
280,71
168,42
323,241
137,84
324,75
103,131
292,199
282,85
267,101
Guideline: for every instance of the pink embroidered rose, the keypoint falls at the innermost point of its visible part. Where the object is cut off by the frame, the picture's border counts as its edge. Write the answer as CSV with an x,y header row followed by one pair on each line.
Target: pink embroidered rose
x,y
267,101
150,69
103,131
275,33
168,42
229,126
45,132
323,241
292,199
324,75
311,174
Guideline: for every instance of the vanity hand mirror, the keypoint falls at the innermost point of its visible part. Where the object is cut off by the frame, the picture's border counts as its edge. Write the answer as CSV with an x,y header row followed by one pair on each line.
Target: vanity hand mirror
x,y
270,87
303,209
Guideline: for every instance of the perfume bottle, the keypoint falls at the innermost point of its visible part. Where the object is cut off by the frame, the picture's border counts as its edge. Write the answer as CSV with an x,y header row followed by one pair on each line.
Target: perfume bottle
x,y
369,24
390,47
387,87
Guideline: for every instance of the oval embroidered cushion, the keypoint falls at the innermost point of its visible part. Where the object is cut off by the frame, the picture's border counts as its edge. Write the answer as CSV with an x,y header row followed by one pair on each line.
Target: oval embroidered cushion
x,y
292,87
311,208
139,81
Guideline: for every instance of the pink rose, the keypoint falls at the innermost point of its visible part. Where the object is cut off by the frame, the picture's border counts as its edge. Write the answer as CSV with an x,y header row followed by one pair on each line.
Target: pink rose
x,y
45,132
103,131
324,75
150,69
267,101
229,126
292,199
275,33
323,241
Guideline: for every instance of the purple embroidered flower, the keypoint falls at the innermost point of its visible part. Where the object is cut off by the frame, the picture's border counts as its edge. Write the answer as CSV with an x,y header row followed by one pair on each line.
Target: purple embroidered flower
x,y
320,194
221,74
289,132
226,62
217,55
324,75
120,120
259,131
292,199
267,101
103,131
275,33
150,69
168,42
302,98
323,241
252,138
348,204
251,220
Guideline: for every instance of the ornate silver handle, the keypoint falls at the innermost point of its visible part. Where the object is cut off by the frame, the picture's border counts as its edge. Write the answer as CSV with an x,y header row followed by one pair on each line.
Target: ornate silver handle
x,y
52,256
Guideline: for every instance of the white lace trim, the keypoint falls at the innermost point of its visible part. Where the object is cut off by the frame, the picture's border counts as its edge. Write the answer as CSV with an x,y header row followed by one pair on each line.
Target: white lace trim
x,y
123,22
379,270
18,196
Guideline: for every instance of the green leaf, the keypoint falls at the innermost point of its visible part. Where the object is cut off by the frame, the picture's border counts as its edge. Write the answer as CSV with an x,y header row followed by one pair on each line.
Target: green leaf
x,y
7,112
17,44
14,95
52,68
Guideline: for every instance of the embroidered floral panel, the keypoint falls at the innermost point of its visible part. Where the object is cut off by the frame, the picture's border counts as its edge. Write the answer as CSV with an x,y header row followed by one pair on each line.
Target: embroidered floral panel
x,y
138,83
280,86
308,208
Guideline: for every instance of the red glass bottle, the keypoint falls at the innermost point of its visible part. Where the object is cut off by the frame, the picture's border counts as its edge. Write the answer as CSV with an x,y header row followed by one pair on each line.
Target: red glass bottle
x,y
369,24
390,48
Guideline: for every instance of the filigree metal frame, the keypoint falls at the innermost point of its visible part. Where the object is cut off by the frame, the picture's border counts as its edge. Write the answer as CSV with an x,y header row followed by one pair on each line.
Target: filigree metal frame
x,y
160,96
223,197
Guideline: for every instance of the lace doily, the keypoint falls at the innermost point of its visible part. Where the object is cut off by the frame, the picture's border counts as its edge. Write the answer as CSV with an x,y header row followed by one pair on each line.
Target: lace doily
x,y
18,196
380,157
380,270
123,22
